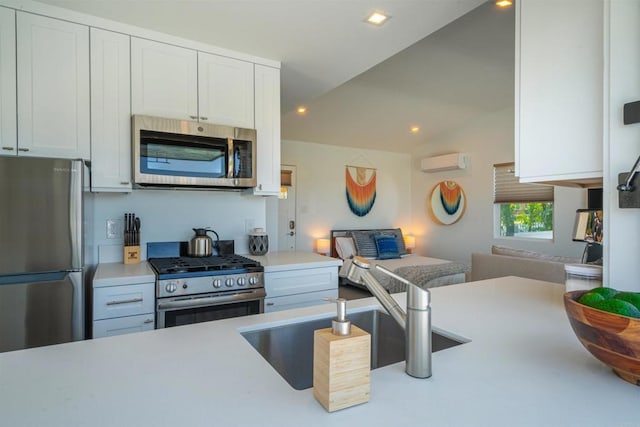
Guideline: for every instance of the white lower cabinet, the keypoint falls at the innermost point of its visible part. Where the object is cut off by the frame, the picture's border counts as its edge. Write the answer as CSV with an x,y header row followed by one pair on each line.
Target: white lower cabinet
x,y
123,299
123,325
123,309
120,301
299,287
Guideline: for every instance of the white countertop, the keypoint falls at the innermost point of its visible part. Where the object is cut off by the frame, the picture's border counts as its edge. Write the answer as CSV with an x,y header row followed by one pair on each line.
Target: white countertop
x,y
294,260
117,273
523,367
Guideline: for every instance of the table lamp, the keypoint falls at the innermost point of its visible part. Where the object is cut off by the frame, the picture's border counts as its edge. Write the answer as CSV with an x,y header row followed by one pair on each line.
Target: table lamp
x,y
409,242
323,246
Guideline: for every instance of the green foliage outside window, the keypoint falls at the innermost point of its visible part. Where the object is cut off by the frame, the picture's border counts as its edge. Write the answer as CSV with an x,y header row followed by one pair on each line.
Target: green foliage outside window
x,y
525,218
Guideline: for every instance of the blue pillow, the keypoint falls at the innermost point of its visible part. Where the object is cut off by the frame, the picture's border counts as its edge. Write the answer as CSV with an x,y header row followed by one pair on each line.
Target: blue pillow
x,y
387,246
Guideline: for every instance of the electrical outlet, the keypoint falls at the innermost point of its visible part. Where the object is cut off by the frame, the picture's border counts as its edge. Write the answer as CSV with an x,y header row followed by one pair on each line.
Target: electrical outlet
x,y
249,225
114,229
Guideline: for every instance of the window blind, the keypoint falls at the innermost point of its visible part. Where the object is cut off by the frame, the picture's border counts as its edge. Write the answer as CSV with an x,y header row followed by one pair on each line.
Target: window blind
x,y
508,189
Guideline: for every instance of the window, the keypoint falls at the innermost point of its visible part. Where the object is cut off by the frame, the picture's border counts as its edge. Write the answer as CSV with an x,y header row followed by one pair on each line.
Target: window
x,y
521,209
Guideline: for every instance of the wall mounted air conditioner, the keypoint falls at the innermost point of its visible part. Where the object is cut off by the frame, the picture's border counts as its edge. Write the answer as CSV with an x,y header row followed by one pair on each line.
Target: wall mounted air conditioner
x,y
445,162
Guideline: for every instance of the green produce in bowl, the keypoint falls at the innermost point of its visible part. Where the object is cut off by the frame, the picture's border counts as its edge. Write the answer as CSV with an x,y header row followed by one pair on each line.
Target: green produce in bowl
x,y
605,292
630,297
617,306
590,298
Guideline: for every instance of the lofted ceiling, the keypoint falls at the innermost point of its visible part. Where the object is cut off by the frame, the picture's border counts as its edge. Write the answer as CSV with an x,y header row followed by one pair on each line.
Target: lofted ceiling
x,y
435,64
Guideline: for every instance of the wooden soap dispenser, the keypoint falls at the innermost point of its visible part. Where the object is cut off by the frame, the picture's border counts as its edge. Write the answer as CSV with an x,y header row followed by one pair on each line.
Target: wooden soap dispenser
x,y
341,363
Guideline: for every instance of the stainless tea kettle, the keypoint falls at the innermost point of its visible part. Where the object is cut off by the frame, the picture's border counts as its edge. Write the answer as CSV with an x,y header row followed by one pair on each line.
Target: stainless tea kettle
x,y
201,244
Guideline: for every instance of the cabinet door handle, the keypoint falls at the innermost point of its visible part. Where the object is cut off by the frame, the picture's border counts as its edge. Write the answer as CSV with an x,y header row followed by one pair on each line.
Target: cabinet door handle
x,y
270,303
8,148
23,149
124,301
124,182
148,321
204,118
194,117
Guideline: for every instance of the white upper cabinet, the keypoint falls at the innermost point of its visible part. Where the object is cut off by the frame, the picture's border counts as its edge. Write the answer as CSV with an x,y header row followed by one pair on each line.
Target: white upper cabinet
x,y
53,87
8,114
267,99
110,112
164,80
225,87
559,91
175,82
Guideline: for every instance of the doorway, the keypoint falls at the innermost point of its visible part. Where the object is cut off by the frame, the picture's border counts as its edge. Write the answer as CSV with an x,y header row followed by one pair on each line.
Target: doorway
x,y
287,209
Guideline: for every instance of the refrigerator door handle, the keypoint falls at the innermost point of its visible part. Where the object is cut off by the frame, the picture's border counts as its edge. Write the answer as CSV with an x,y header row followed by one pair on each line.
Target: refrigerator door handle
x,y
75,213
77,315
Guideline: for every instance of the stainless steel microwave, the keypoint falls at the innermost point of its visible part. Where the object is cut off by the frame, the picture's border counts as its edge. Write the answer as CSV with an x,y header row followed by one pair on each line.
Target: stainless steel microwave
x,y
181,153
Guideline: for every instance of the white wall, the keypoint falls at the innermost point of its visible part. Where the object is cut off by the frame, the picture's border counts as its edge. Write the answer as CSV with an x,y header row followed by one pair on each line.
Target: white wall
x,y
170,215
321,195
621,144
487,141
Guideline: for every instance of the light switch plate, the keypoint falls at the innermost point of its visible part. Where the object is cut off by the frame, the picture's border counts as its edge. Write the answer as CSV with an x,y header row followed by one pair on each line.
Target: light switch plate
x,y
114,229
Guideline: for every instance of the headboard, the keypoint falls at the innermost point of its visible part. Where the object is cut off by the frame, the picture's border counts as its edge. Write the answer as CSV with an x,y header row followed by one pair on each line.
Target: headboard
x,y
345,232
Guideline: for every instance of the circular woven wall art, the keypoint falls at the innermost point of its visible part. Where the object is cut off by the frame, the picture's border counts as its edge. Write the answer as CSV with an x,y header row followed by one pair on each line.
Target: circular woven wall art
x,y
447,202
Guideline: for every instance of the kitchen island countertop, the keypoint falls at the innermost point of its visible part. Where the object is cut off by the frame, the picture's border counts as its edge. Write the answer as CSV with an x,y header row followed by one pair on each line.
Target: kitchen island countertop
x,y
522,367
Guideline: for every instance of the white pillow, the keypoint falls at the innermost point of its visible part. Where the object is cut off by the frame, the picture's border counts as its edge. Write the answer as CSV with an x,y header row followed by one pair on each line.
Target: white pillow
x,y
345,247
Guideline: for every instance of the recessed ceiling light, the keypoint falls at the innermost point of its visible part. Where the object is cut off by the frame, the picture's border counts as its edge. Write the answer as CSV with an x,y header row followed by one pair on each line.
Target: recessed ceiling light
x,y
415,129
377,18
301,109
503,3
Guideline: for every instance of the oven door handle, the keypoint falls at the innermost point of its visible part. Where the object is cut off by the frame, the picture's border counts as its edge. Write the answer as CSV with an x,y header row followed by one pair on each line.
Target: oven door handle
x,y
212,300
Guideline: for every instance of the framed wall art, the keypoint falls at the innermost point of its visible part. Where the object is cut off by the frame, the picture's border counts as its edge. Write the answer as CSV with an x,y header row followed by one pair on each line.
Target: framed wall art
x,y
447,202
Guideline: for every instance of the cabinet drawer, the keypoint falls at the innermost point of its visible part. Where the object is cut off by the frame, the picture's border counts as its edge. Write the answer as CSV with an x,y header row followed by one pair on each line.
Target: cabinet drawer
x,y
119,301
123,325
281,283
299,300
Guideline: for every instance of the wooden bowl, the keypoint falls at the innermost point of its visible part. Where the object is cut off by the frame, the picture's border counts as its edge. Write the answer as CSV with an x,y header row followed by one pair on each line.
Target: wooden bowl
x,y
611,338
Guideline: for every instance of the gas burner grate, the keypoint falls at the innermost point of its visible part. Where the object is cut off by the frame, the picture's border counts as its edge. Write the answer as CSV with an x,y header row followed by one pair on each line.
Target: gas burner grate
x,y
217,263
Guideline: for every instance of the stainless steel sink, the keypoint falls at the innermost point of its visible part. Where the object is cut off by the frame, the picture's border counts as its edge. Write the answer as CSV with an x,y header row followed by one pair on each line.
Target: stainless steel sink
x,y
289,348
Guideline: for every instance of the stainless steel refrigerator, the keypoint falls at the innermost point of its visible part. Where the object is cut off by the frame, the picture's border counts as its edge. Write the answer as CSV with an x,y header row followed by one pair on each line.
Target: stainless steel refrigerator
x,y
41,262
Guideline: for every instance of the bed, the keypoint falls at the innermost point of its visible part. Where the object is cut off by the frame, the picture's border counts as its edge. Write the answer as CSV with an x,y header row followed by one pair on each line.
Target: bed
x,y
386,247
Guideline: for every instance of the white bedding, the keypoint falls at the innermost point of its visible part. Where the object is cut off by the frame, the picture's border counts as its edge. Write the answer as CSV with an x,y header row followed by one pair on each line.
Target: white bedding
x,y
415,268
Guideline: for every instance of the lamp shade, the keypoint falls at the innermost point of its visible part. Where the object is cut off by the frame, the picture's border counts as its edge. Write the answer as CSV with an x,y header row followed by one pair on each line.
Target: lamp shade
x,y
323,246
409,241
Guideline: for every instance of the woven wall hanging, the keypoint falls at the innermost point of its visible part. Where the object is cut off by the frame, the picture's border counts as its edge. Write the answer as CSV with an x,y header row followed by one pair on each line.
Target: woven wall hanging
x,y
361,190
447,202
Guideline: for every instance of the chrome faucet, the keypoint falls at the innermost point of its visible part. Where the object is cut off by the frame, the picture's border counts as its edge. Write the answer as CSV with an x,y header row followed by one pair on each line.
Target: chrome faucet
x,y
416,322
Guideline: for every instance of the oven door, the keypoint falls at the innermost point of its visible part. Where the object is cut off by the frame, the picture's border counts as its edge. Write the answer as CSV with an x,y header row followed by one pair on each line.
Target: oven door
x,y
207,307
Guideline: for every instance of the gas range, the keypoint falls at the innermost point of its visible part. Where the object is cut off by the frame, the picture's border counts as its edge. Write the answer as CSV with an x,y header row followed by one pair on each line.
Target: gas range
x,y
182,275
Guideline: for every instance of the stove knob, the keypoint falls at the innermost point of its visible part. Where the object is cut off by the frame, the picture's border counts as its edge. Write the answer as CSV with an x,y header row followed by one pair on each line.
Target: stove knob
x,y
171,287
242,281
228,282
253,280
217,283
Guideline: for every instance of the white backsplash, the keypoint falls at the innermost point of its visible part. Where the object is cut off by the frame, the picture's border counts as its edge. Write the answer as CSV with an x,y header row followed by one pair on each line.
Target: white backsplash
x,y
170,215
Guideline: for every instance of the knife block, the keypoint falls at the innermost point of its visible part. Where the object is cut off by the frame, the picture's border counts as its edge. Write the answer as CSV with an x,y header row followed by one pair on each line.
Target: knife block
x,y
341,368
132,254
